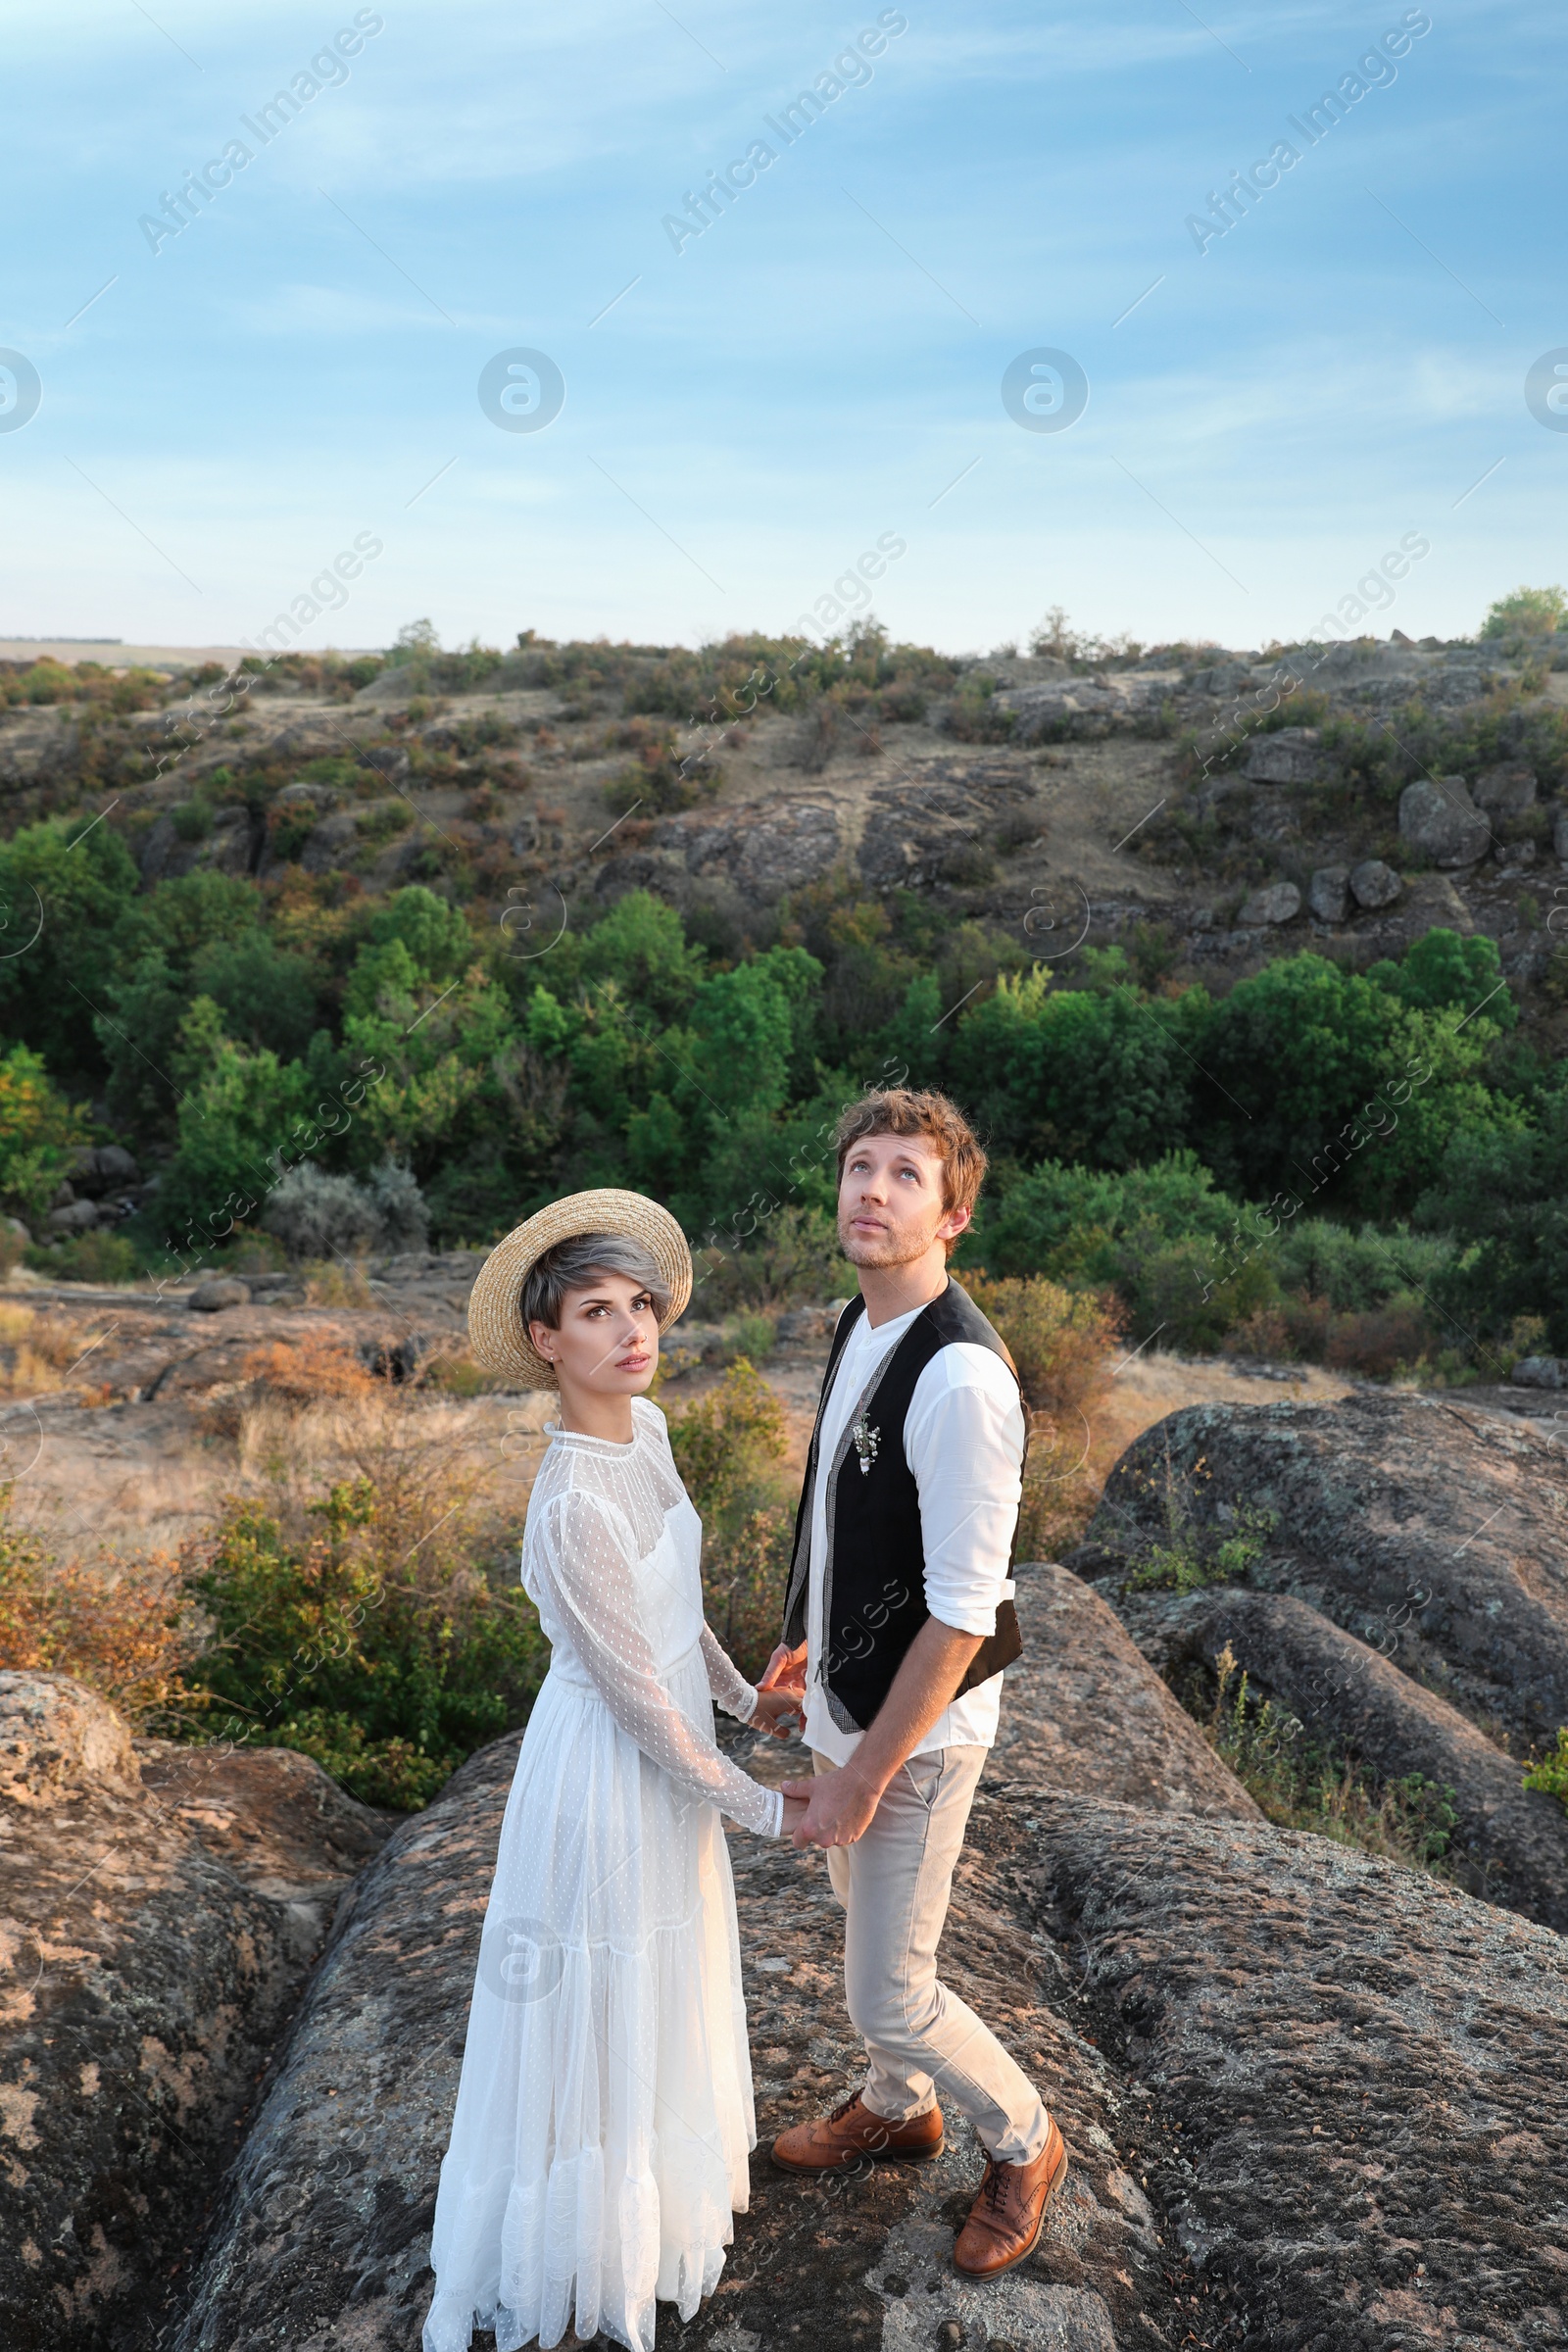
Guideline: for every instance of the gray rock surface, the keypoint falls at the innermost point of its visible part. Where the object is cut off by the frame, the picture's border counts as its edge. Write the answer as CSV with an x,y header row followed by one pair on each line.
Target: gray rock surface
x,y
1374,885
1276,903
1505,791
1541,1372
1426,1531
1510,1844
1328,894
1290,756
1363,2068
209,1297
143,1984
1559,835
1439,820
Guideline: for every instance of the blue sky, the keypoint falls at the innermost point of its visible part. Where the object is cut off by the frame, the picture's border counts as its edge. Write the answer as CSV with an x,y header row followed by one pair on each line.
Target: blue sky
x,y
823,366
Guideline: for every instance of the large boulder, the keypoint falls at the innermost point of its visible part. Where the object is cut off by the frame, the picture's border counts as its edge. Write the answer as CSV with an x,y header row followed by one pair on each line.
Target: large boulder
x,y
1288,756
1340,2079
1328,894
1439,820
1274,902
1505,791
144,1985
1430,1533
1084,1710
1510,1844
1374,884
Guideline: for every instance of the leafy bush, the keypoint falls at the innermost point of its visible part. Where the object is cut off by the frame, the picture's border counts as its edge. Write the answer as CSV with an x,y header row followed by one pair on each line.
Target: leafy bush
x,y
728,1449
1061,1340
1550,1773
369,1639
316,1215
101,1255
122,1630
40,1132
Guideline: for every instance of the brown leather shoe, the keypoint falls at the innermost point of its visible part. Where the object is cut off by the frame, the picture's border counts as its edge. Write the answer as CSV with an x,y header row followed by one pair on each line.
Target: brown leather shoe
x,y
853,2135
1006,2217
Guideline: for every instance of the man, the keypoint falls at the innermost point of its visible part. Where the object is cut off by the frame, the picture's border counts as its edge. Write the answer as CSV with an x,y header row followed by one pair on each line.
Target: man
x,y
899,1619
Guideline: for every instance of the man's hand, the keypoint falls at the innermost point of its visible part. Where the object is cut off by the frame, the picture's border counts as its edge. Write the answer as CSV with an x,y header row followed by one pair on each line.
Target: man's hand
x,y
786,1671
777,1711
839,1806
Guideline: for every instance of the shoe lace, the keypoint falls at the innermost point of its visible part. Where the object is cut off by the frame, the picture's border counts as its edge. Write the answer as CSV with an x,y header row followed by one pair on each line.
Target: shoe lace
x,y
993,2188
839,2112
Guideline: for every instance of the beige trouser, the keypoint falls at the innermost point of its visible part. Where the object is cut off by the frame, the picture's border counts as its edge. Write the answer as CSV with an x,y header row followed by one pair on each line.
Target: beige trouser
x,y
920,2038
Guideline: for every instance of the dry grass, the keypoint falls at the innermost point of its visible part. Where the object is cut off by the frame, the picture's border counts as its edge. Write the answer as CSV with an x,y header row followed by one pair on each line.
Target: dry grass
x,y
40,1350
337,1282
122,1628
319,1366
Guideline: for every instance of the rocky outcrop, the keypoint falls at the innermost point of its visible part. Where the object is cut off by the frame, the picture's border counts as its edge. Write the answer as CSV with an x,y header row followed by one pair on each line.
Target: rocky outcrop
x,y
1084,1710
1289,755
1109,702
1274,902
1439,820
1433,1535
145,1982
1338,2076
1510,1844
325,2230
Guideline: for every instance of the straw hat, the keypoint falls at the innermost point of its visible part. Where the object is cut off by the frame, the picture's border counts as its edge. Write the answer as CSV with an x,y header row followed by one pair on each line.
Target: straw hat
x,y
495,1305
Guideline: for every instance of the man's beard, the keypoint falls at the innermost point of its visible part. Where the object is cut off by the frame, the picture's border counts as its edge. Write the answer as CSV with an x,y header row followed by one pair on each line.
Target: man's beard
x,y
889,1249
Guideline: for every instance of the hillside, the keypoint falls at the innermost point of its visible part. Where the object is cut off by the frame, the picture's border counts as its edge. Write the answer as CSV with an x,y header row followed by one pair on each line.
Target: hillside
x,y
456,931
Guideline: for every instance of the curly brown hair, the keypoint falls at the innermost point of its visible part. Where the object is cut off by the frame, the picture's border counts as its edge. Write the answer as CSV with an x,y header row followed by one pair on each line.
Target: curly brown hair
x,y
907,1110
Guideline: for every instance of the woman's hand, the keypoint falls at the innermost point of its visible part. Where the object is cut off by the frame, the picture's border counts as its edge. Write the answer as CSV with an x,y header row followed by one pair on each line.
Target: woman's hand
x,y
794,1815
778,1712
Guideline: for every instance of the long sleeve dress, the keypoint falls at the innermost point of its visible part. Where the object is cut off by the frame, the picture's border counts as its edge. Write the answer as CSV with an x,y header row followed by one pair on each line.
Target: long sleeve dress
x,y
604,2112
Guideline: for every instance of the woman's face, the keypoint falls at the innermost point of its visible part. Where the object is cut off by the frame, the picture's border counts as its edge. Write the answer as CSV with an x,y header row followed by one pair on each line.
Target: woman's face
x,y
608,1341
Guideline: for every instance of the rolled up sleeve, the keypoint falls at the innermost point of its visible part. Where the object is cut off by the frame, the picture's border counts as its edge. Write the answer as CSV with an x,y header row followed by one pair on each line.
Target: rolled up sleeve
x,y
963,1440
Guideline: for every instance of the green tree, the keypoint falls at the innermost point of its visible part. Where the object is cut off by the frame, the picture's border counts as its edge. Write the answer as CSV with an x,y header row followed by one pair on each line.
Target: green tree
x,y
1079,1074
1318,1080
64,892
39,1131
1526,612
1502,1192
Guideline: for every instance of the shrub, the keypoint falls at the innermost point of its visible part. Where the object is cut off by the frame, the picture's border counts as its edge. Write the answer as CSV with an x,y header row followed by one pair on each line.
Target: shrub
x,y
1550,1774
364,1634
315,1367
40,1132
728,1449
1409,1820
794,1257
98,1256
318,1216
1061,1340
122,1630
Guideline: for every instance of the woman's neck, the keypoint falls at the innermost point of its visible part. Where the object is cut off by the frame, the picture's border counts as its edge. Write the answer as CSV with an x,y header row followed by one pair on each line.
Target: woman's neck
x,y
588,1414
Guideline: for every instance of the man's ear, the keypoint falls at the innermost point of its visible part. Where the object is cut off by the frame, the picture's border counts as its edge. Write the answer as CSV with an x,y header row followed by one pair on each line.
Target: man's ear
x,y
956,1221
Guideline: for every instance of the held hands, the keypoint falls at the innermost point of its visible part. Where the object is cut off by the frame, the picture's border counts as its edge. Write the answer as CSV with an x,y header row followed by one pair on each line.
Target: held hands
x,y
836,1807
781,1692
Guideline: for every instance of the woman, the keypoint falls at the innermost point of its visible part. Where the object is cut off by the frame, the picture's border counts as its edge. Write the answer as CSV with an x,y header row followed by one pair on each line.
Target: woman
x,y
604,2111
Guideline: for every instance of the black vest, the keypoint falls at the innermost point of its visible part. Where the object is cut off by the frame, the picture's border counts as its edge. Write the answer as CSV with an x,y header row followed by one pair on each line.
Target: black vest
x,y
873,1578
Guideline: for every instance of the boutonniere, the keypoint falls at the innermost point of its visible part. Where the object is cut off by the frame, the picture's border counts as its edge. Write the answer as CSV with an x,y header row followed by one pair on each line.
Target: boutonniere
x,y
865,1439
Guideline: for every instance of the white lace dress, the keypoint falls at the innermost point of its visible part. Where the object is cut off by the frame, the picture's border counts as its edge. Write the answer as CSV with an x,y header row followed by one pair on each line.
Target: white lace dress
x,y
604,2112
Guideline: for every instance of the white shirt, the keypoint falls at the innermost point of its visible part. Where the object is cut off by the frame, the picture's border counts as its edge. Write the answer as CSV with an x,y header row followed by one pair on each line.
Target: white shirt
x,y
963,1439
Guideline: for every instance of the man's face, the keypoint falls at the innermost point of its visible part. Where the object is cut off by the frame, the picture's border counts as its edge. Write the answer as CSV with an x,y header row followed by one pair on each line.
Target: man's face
x,y
890,1201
